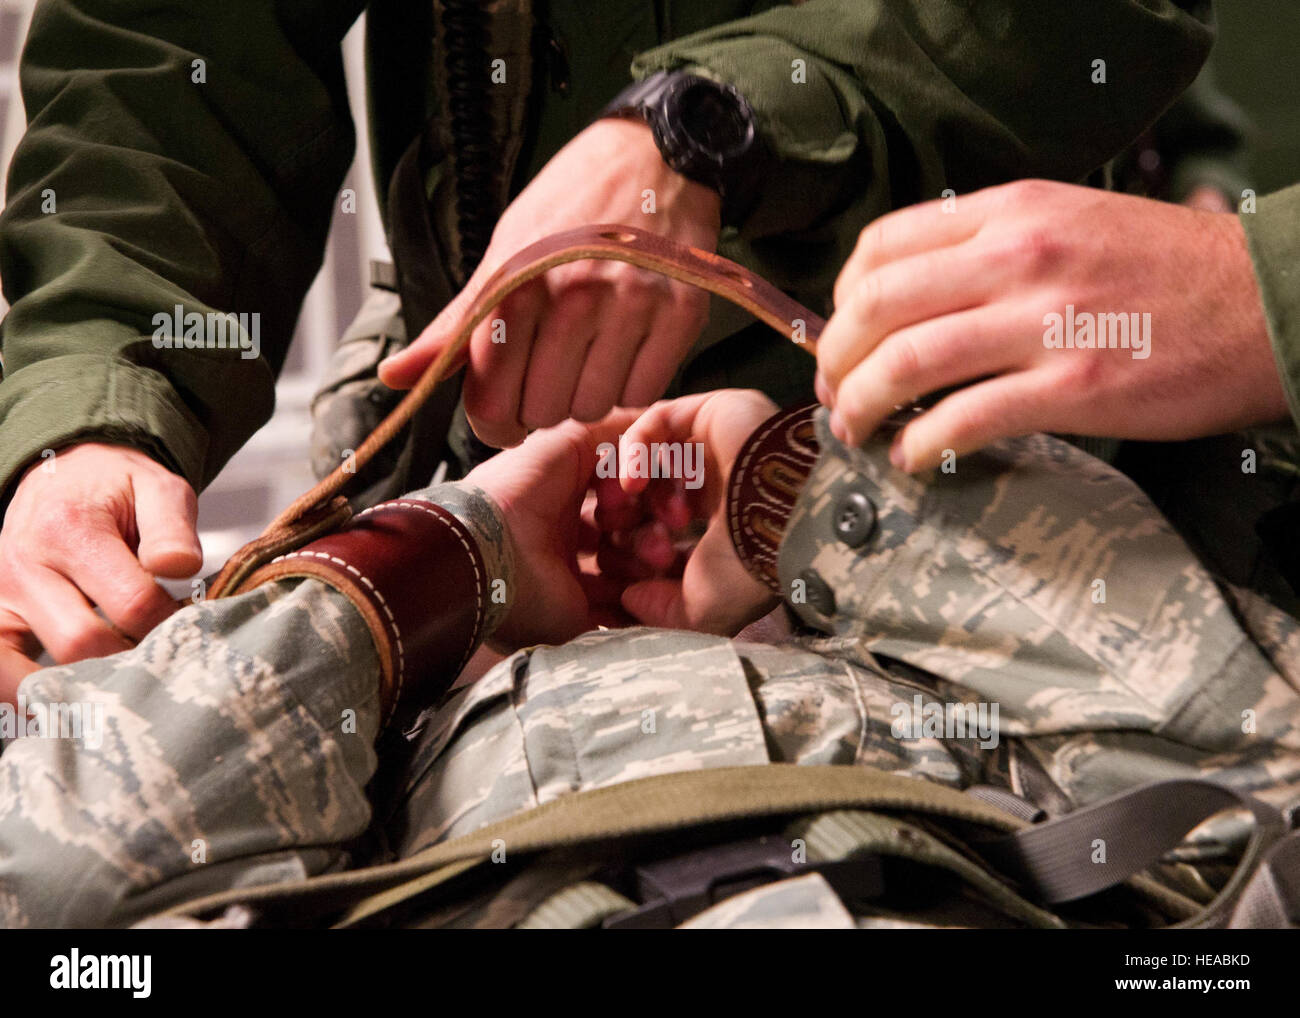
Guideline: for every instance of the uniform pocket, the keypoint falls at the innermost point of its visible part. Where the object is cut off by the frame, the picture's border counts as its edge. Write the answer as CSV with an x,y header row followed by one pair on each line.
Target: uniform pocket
x,y
605,708
623,704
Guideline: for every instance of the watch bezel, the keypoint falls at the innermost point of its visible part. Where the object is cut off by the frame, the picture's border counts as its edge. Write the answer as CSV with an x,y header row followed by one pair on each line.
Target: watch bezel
x,y
670,107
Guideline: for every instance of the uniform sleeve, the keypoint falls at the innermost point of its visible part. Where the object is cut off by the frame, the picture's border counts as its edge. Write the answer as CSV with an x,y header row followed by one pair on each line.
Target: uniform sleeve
x,y
232,747
177,155
874,104
1033,576
1273,238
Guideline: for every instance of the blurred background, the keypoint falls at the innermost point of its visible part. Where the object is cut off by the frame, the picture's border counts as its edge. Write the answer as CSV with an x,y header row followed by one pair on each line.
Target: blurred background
x,y
1255,58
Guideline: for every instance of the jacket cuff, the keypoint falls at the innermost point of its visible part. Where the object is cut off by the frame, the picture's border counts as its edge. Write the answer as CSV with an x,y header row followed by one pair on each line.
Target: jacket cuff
x,y
770,470
56,402
1274,246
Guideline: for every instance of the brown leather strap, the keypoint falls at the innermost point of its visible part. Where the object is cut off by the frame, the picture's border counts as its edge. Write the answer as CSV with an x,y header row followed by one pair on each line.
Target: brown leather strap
x,y
416,575
320,508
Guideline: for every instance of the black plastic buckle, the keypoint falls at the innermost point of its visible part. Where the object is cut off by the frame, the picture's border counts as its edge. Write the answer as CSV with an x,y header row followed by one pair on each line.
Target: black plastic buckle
x,y
673,890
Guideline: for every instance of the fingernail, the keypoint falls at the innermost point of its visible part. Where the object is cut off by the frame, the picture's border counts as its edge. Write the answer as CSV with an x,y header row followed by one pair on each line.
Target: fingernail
x,y
837,427
822,390
897,454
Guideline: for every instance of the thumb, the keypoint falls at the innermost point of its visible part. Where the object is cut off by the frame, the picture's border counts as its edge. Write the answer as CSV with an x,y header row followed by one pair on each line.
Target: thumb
x,y
656,603
404,368
166,513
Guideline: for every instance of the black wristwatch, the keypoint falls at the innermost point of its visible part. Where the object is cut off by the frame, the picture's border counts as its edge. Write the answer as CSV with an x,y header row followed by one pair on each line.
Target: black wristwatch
x,y
704,130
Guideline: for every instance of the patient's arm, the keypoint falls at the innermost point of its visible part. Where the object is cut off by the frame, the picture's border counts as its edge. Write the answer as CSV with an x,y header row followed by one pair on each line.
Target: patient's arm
x,y
234,744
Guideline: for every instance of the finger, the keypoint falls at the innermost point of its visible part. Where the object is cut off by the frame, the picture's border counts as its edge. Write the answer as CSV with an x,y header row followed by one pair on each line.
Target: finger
x,y
565,334
916,361
668,503
669,420
588,538
973,417
17,649
570,449
616,557
601,590
494,382
616,509
657,602
901,294
609,361
596,436
14,667
403,369
604,601
166,518
907,232
588,532
122,589
653,545
63,621
672,332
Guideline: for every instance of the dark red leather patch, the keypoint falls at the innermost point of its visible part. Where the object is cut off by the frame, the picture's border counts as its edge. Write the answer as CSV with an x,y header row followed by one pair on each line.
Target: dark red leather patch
x,y
769,472
415,573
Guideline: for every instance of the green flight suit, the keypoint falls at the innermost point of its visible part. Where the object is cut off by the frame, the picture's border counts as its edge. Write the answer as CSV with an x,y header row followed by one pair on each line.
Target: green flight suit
x,y
190,154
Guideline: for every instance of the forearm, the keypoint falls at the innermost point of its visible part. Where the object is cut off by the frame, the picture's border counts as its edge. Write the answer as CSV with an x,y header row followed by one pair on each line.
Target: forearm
x,y
234,744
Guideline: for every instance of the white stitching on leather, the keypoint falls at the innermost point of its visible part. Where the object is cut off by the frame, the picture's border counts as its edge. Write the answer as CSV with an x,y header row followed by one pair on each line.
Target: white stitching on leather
x,y
479,612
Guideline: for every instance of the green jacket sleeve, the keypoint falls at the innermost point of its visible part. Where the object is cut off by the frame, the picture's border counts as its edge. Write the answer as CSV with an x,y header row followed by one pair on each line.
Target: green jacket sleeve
x,y
874,104
1272,226
175,155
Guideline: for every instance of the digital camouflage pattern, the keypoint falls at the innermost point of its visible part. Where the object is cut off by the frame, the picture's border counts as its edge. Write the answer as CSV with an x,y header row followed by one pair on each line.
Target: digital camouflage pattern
x,y
225,761
239,740
975,587
1040,579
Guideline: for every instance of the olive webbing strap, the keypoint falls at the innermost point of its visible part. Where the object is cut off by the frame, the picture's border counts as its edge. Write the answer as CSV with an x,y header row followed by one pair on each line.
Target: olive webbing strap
x,y
1055,860
662,803
1052,862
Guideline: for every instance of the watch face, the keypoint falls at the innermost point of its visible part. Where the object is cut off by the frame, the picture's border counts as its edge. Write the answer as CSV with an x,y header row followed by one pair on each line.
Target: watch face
x,y
714,118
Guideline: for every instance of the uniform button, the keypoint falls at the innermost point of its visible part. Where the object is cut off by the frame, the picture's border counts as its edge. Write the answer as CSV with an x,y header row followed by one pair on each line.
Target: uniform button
x,y
818,592
855,519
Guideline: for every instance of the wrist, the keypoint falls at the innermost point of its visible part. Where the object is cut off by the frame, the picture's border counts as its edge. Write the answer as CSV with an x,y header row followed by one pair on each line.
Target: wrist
x,y
674,193
704,130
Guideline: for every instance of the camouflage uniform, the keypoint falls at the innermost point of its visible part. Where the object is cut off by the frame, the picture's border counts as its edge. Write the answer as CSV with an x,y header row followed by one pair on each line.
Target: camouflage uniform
x,y
975,586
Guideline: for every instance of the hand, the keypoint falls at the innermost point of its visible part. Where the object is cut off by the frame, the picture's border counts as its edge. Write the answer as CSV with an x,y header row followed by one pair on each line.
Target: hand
x,y
932,299
715,593
93,530
540,488
587,336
